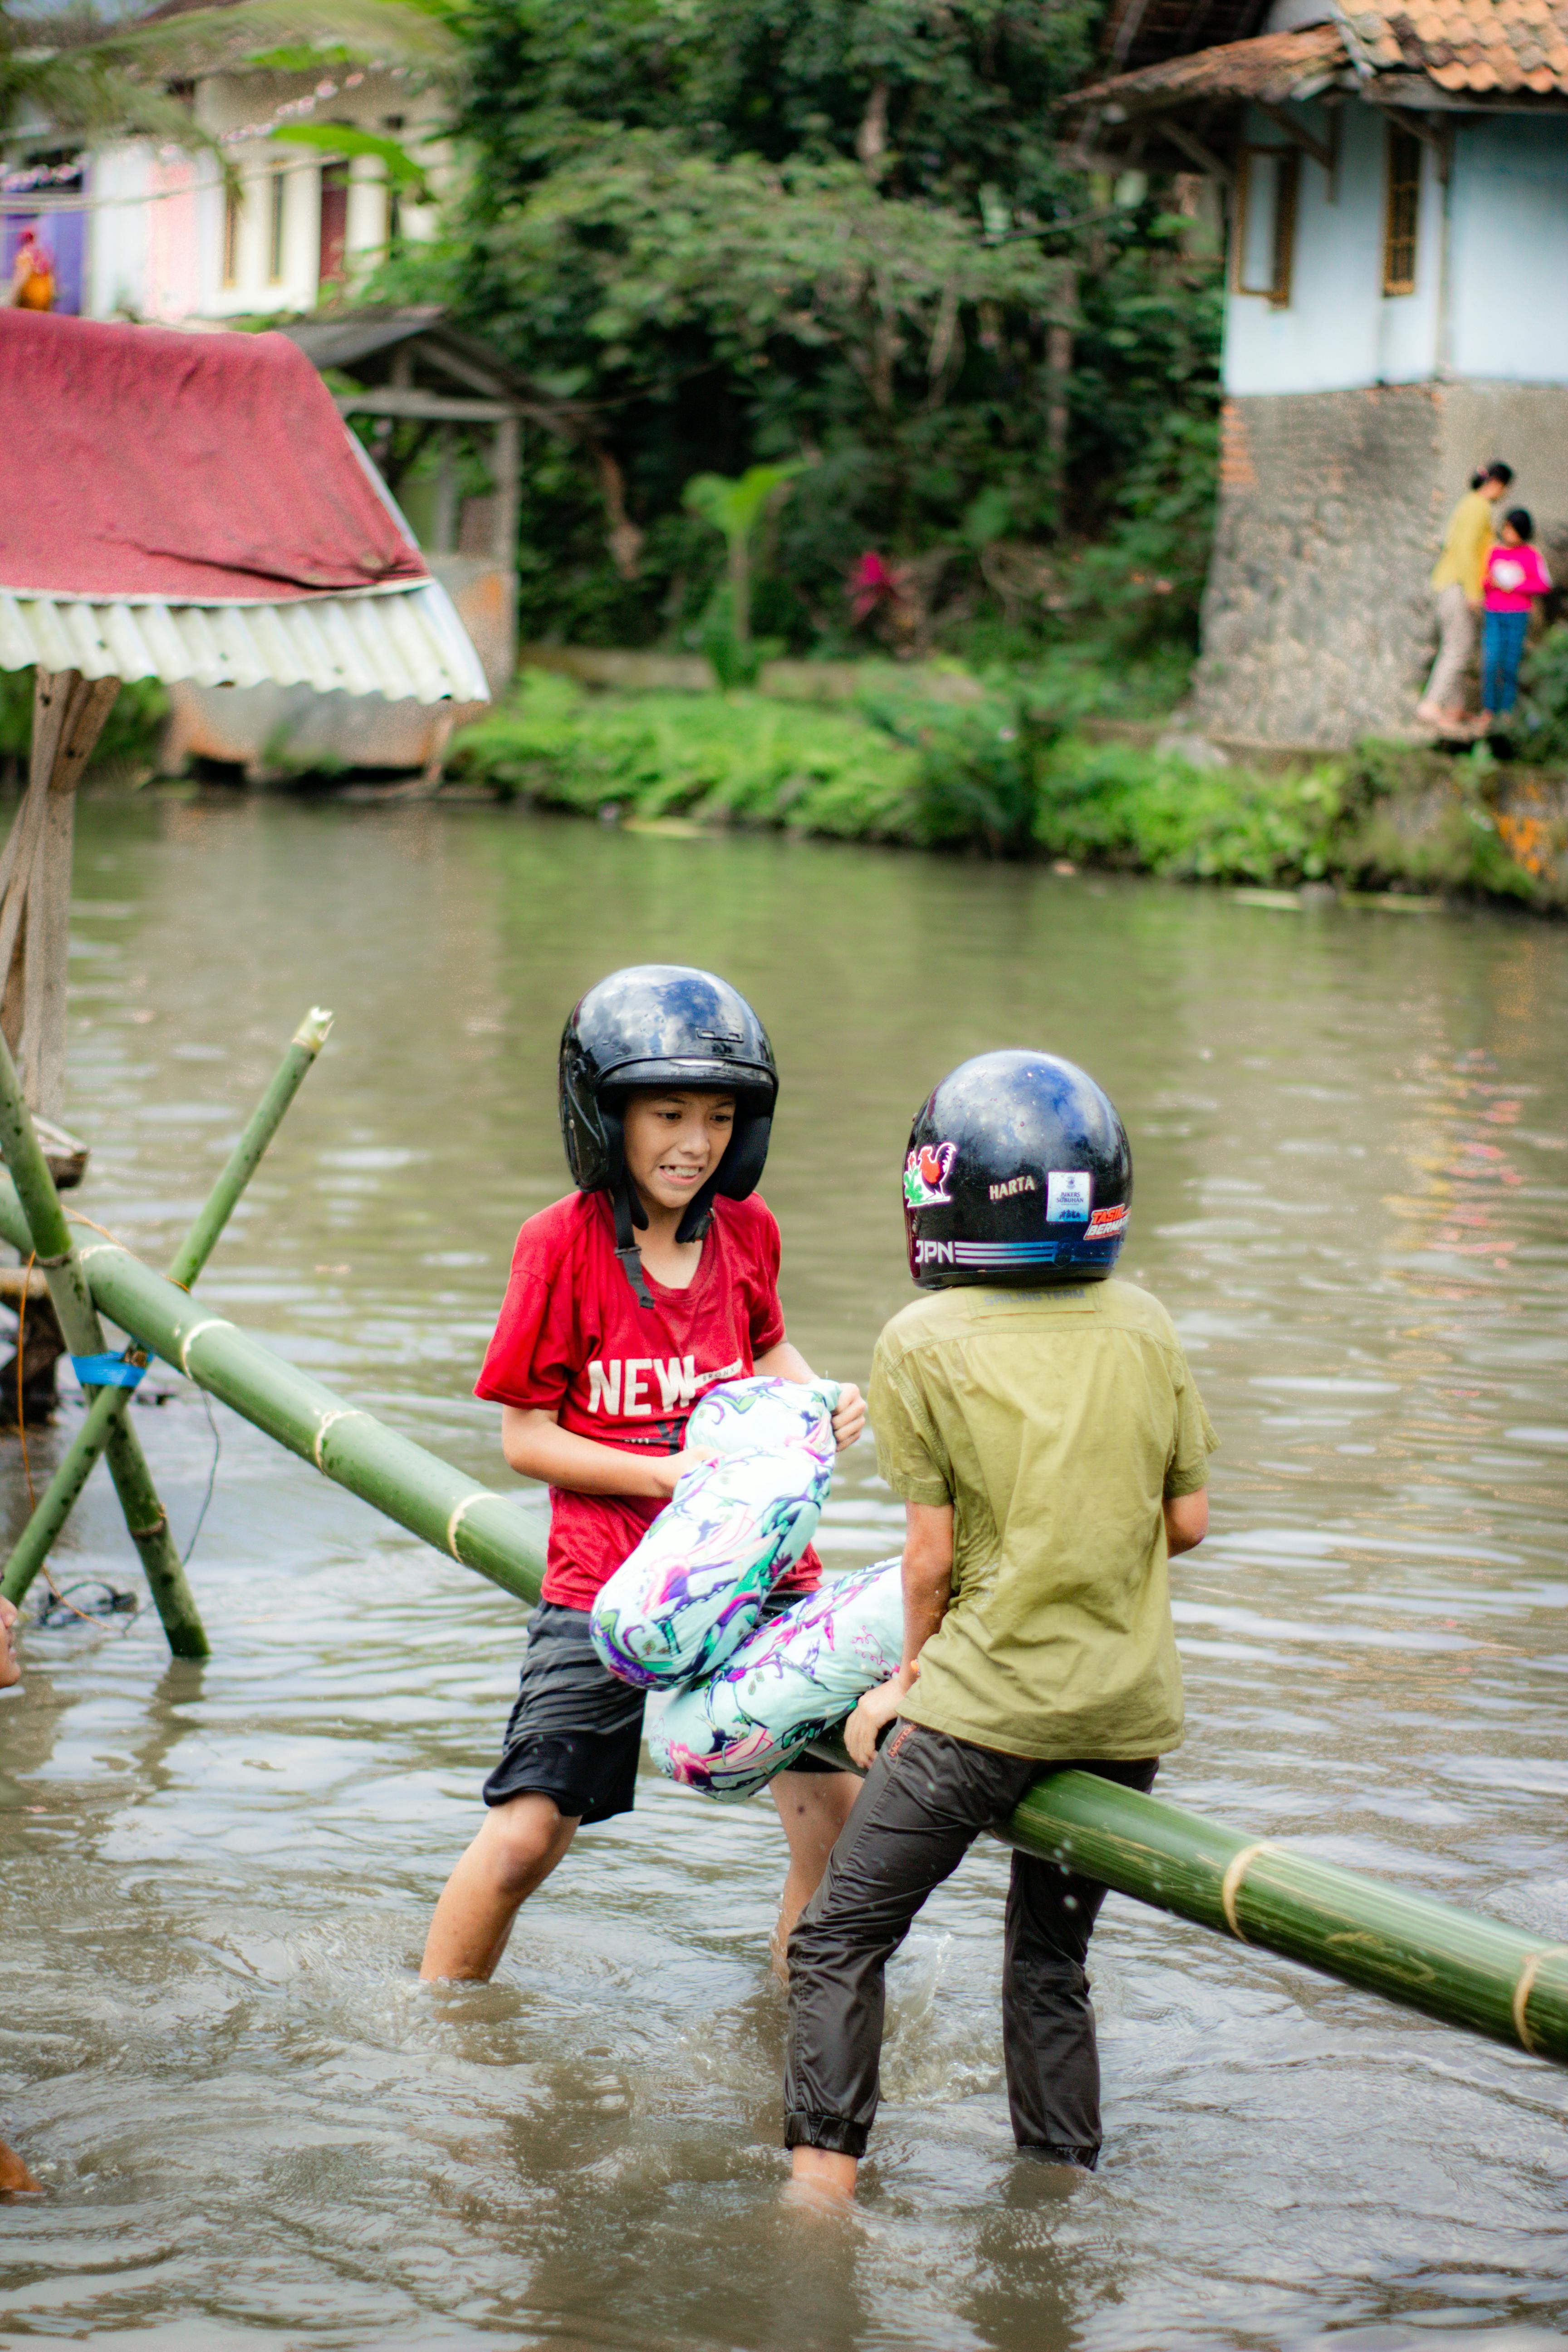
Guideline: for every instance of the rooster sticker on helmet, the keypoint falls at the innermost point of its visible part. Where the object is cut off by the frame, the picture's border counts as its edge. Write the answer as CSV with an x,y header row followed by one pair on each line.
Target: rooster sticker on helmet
x,y
926,1173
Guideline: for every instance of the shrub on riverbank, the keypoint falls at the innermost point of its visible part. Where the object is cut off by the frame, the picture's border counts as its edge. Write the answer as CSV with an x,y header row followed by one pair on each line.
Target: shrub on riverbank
x,y
1010,775
900,768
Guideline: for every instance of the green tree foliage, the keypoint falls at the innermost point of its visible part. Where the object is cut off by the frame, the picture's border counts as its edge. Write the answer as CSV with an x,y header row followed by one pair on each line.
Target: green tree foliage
x,y
75,75
731,233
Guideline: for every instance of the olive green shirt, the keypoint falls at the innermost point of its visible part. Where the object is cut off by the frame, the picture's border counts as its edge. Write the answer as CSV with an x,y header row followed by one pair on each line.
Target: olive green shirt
x,y
1056,1422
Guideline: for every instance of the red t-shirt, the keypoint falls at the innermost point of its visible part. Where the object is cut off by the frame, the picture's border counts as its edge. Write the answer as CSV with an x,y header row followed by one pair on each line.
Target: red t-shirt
x,y
573,1339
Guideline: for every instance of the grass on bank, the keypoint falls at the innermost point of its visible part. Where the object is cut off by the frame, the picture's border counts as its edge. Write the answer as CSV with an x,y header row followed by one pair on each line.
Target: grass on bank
x,y
1014,775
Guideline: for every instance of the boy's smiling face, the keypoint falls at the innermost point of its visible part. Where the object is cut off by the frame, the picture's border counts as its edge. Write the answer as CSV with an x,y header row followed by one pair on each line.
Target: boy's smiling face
x,y
674,1142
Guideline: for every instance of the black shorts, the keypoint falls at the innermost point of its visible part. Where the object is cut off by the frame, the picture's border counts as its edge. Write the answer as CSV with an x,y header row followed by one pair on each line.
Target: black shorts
x,y
576,1730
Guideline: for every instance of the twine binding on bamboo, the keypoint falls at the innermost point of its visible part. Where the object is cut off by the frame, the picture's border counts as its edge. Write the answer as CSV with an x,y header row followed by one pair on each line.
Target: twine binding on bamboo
x,y
1230,1885
1525,1986
329,1421
479,1494
212,1323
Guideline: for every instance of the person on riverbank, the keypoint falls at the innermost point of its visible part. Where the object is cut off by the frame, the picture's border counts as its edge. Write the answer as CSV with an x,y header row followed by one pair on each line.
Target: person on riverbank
x,y
603,1346
1457,583
1515,576
1039,1421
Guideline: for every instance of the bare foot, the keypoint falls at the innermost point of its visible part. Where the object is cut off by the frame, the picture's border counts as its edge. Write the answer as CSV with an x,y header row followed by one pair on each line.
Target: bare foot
x,y
16,2181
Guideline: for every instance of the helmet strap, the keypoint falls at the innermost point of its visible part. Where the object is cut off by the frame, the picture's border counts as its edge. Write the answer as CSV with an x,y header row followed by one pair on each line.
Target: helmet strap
x,y
698,1215
629,1212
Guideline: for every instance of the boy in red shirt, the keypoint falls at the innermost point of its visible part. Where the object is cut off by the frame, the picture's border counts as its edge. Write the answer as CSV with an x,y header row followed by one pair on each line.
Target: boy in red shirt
x,y
603,1345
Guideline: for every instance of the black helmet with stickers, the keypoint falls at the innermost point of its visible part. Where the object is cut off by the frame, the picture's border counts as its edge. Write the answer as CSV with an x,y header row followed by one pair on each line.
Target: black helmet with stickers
x,y
1018,1174
662,1026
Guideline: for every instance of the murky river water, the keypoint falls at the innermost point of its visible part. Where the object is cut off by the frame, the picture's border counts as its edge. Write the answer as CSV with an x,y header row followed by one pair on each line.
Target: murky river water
x,y
258,2129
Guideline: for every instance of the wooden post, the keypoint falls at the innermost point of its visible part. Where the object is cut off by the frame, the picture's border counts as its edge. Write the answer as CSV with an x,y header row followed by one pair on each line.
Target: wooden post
x,y
444,534
69,712
507,470
1058,376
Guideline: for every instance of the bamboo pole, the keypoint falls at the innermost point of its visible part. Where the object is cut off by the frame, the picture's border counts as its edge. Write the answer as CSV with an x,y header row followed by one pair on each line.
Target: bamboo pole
x,y
473,1525
43,1228
1455,1966
110,1406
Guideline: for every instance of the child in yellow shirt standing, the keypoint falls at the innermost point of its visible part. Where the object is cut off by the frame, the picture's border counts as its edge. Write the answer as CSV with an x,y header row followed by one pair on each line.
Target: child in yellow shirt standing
x,y
1458,581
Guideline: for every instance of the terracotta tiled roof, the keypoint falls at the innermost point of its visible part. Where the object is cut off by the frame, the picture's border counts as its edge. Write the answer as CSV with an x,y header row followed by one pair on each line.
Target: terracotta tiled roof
x,y
1464,44
1483,47
1272,68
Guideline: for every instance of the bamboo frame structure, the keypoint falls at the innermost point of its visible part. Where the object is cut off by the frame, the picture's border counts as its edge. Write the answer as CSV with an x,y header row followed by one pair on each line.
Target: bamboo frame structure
x,y
1478,1973
46,1232
110,1406
471,1524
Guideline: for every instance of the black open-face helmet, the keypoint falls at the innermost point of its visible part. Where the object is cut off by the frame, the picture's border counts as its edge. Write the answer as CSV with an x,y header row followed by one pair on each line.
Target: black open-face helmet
x,y
1019,1174
662,1026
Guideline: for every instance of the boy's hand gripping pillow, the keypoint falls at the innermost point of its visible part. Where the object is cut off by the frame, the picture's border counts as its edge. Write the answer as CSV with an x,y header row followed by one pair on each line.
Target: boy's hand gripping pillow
x,y
694,1588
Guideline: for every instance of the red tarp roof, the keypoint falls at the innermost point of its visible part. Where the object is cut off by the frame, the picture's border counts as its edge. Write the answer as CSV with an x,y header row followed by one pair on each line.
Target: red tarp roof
x,y
197,469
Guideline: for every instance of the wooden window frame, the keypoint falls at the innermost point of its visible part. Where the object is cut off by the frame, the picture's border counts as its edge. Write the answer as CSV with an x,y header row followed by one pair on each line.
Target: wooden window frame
x,y
233,213
277,224
1287,161
1403,172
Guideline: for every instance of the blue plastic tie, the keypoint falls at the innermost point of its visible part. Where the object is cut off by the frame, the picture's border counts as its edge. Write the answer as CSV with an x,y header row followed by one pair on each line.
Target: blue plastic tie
x,y
107,1371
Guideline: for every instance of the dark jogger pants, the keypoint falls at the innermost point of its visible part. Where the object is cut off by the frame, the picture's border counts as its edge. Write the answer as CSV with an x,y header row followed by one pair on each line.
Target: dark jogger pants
x,y
925,1801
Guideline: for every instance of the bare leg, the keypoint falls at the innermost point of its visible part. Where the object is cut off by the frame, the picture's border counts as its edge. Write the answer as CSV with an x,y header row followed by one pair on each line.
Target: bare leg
x,y
814,1807
16,2181
517,1848
823,2173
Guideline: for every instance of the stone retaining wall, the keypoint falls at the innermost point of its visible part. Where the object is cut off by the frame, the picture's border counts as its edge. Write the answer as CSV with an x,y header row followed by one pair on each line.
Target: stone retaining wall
x,y
1317,619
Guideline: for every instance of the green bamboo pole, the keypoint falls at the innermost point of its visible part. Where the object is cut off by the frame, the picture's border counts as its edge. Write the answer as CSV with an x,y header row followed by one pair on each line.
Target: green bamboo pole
x,y
1456,1965
43,1228
243,1161
1464,1970
472,1524
110,1406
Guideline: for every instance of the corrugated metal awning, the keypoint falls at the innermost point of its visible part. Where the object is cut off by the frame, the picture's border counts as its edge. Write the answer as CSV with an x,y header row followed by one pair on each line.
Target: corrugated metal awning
x,y
406,643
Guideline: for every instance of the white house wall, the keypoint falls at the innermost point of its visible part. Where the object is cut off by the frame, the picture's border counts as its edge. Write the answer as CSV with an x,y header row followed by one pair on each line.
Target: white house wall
x,y
1339,328
155,248
1508,299
115,281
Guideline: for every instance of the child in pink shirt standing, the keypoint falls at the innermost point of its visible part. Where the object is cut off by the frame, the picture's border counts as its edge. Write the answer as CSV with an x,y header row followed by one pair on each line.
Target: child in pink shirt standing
x,y
1514,575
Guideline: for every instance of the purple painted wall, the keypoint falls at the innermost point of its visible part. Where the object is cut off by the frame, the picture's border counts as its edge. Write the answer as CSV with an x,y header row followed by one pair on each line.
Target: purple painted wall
x,y
63,235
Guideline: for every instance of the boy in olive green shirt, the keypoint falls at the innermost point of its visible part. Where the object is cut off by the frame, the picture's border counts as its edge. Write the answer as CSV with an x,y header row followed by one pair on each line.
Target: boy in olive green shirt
x,y
1051,1451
